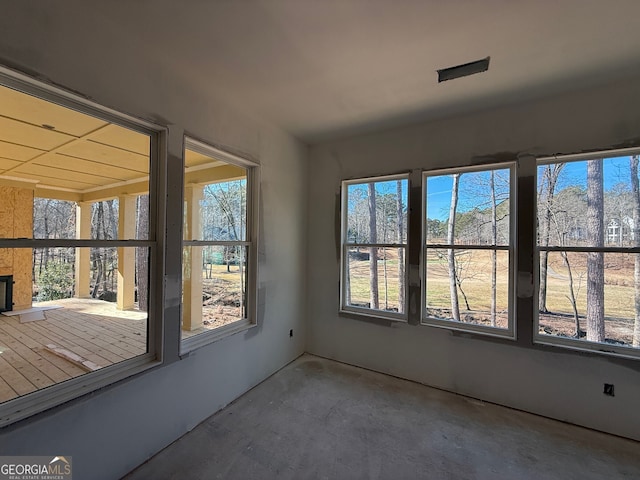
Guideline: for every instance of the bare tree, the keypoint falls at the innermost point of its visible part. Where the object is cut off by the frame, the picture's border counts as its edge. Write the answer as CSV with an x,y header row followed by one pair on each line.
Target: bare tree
x,y
494,253
551,175
595,260
400,238
563,211
373,258
635,235
453,288
142,253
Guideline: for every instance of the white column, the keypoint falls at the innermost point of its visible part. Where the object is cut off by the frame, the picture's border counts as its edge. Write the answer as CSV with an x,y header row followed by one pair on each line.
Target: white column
x,y
83,255
126,256
192,263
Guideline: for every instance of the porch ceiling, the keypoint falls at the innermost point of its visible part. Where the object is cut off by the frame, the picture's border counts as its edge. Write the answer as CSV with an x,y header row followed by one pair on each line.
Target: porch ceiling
x,y
64,154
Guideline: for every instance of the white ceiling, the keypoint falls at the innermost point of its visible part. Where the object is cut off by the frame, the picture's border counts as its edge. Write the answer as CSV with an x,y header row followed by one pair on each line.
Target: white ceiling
x,y
328,68
325,68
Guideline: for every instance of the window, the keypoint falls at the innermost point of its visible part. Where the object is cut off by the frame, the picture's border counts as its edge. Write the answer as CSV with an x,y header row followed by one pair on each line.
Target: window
x,y
589,245
468,249
219,247
374,246
77,233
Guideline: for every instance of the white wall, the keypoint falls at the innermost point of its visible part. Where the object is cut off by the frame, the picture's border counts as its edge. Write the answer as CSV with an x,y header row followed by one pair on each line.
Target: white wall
x,y
563,385
111,431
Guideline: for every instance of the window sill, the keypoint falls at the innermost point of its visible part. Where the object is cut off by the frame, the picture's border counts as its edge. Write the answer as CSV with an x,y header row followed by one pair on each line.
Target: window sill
x,y
377,315
470,328
197,341
55,395
600,349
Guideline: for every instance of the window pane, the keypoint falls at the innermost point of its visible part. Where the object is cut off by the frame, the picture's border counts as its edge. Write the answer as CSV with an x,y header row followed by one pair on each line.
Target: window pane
x,y
54,159
377,212
574,194
124,218
472,271
606,314
480,202
376,278
214,287
215,199
67,312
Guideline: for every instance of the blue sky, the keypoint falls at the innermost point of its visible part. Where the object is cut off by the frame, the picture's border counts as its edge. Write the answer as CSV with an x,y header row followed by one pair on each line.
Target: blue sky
x,y
616,170
470,193
382,188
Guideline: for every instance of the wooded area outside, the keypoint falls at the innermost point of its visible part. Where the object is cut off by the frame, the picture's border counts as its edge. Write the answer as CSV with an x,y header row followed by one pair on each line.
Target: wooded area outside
x,y
588,235
215,253
54,268
467,256
375,245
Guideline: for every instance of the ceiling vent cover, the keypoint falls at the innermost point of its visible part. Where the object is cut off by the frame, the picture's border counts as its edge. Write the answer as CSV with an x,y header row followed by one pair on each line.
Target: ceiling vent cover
x,y
463,70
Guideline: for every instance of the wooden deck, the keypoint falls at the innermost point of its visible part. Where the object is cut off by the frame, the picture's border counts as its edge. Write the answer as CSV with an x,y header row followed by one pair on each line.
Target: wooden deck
x,y
90,329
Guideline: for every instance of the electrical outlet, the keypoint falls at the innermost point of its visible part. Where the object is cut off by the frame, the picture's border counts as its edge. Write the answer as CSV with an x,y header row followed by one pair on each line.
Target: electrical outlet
x,y
608,389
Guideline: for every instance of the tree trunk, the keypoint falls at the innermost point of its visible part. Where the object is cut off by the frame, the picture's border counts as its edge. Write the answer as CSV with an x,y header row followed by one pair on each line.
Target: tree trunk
x,y
635,237
400,239
142,253
572,295
112,222
373,258
455,307
494,253
386,278
595,260
551,176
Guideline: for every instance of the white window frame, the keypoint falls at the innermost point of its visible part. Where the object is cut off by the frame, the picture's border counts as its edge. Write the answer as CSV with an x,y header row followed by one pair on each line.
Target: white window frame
x,y
567,342
43,399
510,331
345,245
251,243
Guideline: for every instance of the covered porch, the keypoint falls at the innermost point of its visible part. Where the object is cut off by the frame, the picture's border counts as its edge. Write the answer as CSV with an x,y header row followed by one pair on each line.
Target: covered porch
x,y
80,336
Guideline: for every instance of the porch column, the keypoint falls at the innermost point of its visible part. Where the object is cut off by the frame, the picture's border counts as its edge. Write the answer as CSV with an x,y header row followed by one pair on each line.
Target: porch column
x,y
192,264
83,255
126,256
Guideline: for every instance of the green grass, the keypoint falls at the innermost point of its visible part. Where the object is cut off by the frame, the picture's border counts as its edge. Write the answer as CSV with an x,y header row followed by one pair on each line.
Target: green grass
x,y
619,291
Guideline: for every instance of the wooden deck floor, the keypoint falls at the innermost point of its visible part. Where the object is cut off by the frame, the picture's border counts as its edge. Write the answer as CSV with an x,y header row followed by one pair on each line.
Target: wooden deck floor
x,y
91,329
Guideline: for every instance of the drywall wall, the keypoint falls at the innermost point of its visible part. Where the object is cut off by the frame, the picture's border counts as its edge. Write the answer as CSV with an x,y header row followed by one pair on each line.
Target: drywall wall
x,y
559,384
111,431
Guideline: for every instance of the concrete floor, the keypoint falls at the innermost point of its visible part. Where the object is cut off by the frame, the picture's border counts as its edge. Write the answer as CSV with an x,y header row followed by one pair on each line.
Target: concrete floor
x,y
319,419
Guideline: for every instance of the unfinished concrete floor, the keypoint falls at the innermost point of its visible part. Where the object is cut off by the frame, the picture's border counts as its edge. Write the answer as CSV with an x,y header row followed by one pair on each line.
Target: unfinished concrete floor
x,y
319,419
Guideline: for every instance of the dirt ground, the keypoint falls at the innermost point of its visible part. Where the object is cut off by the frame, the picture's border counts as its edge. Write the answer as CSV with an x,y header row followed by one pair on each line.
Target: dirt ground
x,y
221,303
618,331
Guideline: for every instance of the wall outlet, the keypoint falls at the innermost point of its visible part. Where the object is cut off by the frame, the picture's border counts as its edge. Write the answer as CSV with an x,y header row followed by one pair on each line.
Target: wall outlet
x,y
608,389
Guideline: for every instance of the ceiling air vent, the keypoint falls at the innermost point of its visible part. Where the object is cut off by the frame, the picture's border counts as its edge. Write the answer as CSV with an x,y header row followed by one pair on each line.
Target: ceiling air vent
x,y
463,70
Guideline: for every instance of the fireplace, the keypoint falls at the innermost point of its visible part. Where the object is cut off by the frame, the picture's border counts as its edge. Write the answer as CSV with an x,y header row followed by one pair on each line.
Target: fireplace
x,y
6,293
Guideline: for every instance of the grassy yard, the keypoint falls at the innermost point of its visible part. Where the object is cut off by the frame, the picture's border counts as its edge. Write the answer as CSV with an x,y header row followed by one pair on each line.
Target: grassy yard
x,y
476,285
222,295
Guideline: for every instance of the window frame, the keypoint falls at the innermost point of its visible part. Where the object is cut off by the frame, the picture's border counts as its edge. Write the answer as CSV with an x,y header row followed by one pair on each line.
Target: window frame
x,y
251,243
344,245
510,331
567,342
45,398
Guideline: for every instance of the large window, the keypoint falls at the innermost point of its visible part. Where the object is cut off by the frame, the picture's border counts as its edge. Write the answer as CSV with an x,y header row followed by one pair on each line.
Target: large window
x,y
77,233
374,246
585,247
467,225
589,243
219,247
